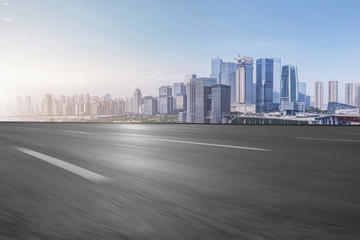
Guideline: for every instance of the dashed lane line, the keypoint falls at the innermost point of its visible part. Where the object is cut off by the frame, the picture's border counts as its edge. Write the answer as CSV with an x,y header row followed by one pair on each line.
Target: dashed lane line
x,y
82,172
212,144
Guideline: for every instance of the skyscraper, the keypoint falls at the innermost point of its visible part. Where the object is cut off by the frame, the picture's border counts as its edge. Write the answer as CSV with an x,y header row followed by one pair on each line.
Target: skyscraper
x,y
19,105
150,106
27,105
137,100
276,80
307,101
289,84
48,104
302,87
216,69
352,94
87,97
165,100
244,80
129,105
179,88
302,92
188,77
349,93
319,95
181,102
220,102
253,101
264,84
199,100
333,91
179,96
228,77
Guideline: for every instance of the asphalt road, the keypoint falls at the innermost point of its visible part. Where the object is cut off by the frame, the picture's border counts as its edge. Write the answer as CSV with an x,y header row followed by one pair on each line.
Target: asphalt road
x,y
136,181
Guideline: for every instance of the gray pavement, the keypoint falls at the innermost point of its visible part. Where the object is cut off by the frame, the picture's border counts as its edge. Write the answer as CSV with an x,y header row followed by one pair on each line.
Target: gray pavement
x,y
149,181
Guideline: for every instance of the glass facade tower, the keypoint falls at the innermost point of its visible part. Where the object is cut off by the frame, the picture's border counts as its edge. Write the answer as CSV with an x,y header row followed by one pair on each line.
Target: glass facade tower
x,y
216,69
302,92
289,84
179,88
179,91
220,102
302,87
165,100
228,77
137,100
276,80
264,84
199,100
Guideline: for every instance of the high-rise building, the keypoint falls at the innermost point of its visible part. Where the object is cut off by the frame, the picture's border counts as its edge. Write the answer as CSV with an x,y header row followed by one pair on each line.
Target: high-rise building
x,y
253,101
27,107
165,100
302,92
179,89
319,95
181,102
307,101
198,93
276,80
352,94
188,77
312,103
150,106
302,87
333,91
128,105
165,91
289,84
228,77
216,69
137,100
244,79
19,105
265,69
220,103
349,93
48,104
87,97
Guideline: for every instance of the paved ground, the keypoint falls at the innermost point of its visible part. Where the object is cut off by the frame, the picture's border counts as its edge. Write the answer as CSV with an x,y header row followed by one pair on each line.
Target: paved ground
x,y
119,181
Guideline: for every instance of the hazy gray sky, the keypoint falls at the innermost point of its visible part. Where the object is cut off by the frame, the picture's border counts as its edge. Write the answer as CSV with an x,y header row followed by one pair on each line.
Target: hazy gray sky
x,y
116,46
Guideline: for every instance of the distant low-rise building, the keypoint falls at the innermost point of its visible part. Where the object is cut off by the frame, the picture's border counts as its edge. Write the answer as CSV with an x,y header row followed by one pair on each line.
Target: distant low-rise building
x,y
290,108
243,108
337,108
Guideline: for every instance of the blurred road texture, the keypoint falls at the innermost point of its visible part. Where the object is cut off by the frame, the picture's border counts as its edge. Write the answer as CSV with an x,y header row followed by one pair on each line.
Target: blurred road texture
x,y
138,181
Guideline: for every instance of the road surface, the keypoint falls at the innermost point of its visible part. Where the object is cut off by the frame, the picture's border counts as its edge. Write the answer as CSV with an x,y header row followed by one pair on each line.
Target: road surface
x,y
138,181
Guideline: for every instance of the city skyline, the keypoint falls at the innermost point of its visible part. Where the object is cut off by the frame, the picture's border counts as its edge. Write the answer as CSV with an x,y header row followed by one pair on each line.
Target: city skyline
x,y
173,99
87,46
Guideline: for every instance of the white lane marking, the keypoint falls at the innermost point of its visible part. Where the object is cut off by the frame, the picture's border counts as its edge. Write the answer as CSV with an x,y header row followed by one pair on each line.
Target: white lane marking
x,y
39,129
211,144
328,139
77,132
355,133
67,166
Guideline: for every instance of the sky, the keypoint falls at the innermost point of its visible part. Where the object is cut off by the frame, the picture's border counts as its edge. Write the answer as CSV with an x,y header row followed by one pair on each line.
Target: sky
x,y
78,46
